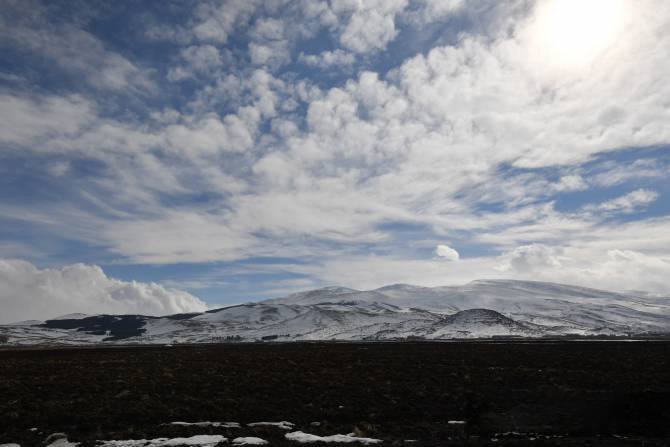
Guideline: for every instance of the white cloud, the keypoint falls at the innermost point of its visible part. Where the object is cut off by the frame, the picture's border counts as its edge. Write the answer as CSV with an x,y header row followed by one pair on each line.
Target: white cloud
x,y
610,269
614,174
328,59
369,272
272,40
16,250
196,59
26,120
59,169
211,134
274,54
371,24
446,252
27,292
627,203
269,29
570,183
178,73
596,265
530,258
10,77
363,27
630,270
178,237
432,10
287,167
215,21
72,49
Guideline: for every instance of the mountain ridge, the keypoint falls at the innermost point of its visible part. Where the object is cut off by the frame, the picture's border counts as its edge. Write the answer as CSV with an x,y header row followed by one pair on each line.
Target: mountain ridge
x,y
479,309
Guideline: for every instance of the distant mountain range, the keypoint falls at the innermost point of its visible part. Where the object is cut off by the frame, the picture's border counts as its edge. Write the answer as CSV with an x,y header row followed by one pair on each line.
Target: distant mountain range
x,y
478,309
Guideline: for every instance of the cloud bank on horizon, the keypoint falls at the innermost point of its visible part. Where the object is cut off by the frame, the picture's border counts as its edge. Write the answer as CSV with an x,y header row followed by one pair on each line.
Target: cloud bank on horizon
x,y
28,291
245,149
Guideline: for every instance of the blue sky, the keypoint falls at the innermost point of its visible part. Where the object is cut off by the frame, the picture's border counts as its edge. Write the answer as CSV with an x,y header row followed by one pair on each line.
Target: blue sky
x,y
166,156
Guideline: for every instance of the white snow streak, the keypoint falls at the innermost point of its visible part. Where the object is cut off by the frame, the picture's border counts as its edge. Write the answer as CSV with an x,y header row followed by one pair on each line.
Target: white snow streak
x,y
198,440
63,442
306,438
206,424
284,425
249,440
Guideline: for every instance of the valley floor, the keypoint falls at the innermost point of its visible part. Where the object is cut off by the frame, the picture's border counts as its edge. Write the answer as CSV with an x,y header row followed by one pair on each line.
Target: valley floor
x,y
506,393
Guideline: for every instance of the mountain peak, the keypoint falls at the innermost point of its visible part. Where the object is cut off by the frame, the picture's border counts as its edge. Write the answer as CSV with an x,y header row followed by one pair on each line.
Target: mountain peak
x,y
483,316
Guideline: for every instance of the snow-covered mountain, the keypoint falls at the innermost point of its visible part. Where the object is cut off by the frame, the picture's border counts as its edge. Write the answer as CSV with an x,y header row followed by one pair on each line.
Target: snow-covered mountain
x,y
573,307
477,309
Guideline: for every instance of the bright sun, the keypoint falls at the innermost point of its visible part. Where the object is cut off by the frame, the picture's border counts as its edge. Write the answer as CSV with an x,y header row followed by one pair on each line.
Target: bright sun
x,y
572,33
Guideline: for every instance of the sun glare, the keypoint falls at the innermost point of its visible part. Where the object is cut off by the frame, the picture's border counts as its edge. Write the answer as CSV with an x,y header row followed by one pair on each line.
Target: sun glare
x,y
572,33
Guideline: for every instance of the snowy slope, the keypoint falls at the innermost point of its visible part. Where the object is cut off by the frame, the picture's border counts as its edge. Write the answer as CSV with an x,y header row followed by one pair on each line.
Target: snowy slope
x,y
477,309
336,320
578,309
74,316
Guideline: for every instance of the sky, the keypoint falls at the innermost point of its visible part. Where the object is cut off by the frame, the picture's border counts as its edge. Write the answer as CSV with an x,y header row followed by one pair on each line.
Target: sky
x,y
160,157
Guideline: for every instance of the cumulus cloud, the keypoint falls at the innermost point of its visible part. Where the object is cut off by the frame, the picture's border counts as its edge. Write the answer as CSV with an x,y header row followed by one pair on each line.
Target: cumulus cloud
x,y
570,183
27,292
530,258
274,54
271,44
215,21
446,252
212,135
371,24
592,264
630,270
197,59
432,10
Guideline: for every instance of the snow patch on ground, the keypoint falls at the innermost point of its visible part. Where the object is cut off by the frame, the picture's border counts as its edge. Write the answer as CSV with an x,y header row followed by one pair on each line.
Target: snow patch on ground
x,y
206,424
284,425
249,440
9,445
198,440
306,438
63,442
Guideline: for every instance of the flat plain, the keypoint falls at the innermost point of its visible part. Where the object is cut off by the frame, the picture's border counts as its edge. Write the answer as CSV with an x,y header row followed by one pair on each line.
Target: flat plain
x,y
507,392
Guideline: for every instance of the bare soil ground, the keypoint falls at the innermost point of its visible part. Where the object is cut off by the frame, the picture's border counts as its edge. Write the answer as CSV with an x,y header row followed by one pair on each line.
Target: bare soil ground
x,y
550,393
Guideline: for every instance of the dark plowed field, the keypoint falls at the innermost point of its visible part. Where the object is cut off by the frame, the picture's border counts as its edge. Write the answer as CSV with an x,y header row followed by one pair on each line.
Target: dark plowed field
x,y
557,393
